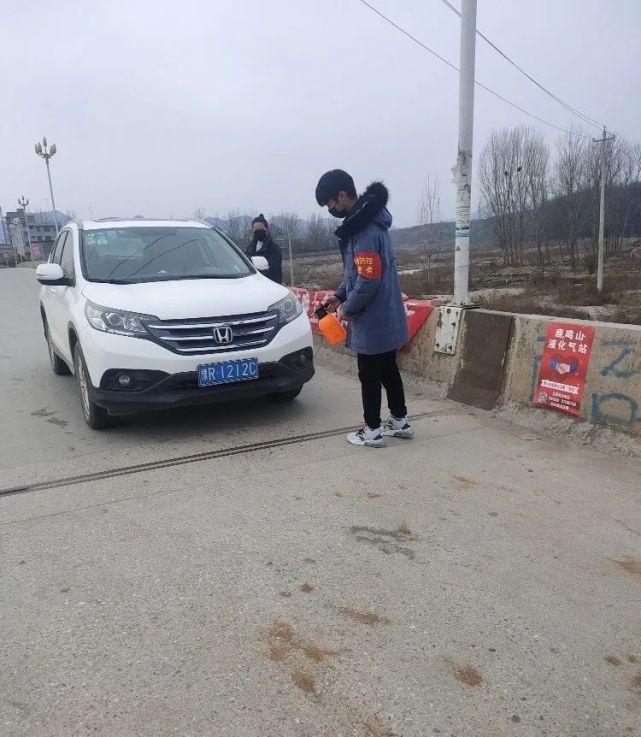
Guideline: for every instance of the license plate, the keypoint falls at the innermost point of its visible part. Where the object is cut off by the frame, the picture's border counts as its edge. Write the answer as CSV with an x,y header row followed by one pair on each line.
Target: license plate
x,y
228,372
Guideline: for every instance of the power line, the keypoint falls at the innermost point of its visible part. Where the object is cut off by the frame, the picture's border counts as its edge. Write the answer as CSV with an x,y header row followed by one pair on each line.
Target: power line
x,y
409,35
456,69
585,118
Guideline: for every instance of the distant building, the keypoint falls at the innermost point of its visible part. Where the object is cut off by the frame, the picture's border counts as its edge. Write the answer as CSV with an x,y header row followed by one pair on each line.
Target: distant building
x,y
37,243
7,254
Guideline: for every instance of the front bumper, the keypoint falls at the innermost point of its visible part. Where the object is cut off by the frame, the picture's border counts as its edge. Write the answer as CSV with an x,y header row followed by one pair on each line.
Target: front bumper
x,y
180,390
106,351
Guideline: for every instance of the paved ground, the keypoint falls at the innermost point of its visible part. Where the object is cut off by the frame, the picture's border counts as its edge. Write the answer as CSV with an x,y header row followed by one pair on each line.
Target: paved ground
x,y
478,581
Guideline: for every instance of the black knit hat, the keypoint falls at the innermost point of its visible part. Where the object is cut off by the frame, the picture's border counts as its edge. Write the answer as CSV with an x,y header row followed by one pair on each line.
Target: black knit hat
x,y
331,183
260,219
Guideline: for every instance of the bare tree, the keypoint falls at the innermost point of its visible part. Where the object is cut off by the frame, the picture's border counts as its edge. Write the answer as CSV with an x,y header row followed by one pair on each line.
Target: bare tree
x,y
536,174
288,226
429,203
570,179
200,213
238,225
513,174
319,235
623,172
493,196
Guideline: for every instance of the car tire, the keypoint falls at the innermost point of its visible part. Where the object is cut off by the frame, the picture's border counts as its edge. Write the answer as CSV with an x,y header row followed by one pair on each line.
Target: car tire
x,y
58,366
96,417
286,396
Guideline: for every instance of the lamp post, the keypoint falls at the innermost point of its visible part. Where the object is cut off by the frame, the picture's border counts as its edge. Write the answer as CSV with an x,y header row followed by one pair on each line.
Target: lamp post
x,y
23,202
46,152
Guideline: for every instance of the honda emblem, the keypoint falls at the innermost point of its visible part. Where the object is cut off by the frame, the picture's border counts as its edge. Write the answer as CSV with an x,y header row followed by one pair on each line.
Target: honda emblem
x,y
223,336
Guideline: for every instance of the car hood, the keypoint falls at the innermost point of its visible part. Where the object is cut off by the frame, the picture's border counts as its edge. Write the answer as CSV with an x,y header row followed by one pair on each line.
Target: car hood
x,y
182,299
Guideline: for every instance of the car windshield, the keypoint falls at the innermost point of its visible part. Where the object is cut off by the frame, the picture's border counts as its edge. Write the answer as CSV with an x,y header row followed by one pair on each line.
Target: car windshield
x,y
144,254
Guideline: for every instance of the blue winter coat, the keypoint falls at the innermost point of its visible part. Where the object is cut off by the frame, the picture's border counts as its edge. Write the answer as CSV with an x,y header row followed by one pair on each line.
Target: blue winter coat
x,y
371,290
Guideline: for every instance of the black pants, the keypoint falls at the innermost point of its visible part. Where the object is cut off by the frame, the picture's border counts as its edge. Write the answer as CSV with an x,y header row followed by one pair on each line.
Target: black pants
x,y
372,372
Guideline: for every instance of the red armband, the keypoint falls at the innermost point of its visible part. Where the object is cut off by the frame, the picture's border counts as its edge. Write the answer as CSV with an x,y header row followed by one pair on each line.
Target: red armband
x,y
368,265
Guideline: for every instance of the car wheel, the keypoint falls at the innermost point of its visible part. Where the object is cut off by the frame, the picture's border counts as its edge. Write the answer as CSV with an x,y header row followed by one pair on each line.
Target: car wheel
x,y
286,396
96,417
58,366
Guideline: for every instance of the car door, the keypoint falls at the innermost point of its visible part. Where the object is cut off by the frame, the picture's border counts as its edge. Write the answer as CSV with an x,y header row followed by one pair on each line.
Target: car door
x,y
54,302
47,293
68,296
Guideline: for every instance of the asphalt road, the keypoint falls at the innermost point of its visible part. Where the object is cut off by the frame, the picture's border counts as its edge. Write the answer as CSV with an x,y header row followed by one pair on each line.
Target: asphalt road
x,y
478,581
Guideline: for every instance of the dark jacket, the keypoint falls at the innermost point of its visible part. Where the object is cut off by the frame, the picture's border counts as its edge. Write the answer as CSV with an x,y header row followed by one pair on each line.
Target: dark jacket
x,y
271,251
371,290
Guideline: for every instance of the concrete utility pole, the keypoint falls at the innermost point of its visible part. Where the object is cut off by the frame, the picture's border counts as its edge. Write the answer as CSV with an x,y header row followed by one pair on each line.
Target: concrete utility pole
x,y
41,150
463,169
604,160
24,203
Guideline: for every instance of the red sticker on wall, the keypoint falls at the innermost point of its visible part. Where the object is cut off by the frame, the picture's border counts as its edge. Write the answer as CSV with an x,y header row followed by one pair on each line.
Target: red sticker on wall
x,y
368,265
564,367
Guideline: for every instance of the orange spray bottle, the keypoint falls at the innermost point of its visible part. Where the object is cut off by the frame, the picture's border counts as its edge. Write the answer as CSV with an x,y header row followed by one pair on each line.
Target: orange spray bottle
x,y
330,327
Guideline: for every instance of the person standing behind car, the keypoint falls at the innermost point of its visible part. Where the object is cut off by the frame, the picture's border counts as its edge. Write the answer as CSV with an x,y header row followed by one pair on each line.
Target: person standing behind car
x,y
262,244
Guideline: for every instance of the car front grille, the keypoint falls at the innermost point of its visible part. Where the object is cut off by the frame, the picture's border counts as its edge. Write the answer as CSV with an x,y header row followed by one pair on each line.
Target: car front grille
x,y
216,334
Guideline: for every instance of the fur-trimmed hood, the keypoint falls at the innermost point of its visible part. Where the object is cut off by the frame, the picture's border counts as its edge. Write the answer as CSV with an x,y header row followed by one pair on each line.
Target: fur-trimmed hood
x,y
369,205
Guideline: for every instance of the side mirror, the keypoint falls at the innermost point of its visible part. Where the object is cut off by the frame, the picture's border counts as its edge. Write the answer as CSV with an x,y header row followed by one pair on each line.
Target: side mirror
x,y
261,263
51,275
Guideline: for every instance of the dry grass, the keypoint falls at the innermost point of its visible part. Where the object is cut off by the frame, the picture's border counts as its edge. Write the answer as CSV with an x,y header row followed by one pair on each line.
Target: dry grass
x,y
554,290
530,305
627,314
438,280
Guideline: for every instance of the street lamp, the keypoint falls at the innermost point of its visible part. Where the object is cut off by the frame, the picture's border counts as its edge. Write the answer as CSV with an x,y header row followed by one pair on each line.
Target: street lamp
x,y
41,150
23,202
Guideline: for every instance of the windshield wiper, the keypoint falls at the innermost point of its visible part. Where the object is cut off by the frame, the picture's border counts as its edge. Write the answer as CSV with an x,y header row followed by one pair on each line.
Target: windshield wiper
x,y
206,276
181,277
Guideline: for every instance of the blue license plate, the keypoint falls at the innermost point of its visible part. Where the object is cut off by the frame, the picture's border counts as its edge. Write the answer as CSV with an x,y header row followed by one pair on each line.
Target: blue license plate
x,y
228,372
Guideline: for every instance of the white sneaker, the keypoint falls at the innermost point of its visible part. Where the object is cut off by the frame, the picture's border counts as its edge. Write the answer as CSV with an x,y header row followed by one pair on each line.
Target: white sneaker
x,y
367,437
393,428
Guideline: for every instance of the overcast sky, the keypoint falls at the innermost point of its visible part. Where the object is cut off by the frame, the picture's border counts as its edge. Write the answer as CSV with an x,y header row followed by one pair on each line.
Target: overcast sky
x,y
161,107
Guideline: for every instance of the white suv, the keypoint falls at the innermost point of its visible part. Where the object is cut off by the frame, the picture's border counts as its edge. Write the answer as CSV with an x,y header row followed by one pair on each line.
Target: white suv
x,y
155,314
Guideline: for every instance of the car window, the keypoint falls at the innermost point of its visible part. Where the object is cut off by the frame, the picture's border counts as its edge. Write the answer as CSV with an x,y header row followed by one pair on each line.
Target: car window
x,y
56,251
139,254
66,260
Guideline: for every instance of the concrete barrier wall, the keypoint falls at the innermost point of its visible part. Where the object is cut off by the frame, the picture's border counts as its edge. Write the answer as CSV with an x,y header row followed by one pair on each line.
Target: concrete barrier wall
x,y
612,394
417,359
420,359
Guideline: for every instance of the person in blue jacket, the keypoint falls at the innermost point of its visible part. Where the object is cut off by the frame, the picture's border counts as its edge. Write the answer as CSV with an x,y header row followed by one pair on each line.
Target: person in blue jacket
x,y
371,300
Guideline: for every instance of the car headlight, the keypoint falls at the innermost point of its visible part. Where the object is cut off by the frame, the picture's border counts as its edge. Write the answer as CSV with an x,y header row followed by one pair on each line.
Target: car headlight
x,y
117,321
288,309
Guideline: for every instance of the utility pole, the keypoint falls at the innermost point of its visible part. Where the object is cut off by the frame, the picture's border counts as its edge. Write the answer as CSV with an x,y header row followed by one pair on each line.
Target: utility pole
x,y
24,203
41,150
463,169
604,159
